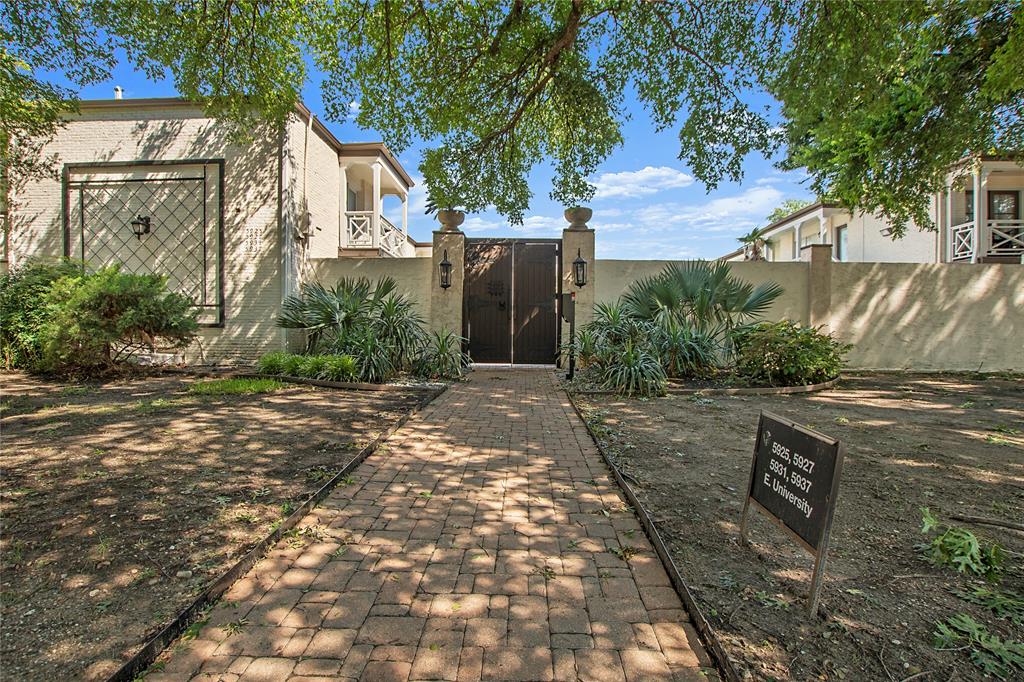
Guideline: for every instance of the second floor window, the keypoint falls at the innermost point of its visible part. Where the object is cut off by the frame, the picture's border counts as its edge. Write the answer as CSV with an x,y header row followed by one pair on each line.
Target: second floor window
x,y
1003,206
841,251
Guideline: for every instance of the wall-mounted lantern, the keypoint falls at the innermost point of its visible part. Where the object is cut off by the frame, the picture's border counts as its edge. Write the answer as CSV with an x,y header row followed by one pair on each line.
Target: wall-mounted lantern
x,y
140,226
579,270
445,271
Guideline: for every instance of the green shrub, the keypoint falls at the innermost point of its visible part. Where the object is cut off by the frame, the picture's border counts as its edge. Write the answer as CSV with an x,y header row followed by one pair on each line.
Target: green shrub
x,y
23,310
961,549
686,351
632,370
339,368
291,365
441,356
786,354
95,321
311,366
374,357
273,363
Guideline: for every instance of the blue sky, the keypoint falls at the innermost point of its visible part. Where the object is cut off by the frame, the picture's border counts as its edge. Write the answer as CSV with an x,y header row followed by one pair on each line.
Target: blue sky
x,y
647,206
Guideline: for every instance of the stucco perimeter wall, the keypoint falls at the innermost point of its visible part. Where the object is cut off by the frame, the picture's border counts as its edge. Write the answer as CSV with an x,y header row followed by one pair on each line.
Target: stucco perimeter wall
x,y
613,277
252,282
917,316
411,274
927,316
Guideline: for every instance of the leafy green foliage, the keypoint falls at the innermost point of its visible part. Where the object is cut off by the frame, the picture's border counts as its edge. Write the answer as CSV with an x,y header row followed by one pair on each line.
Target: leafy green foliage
x,y
961,549
220,387
273,363
1003,603
442,357
23,310
997,657
634,370
674,324
923,83
97,320
786,354
878,98
339,368
786,208
699,294
323,367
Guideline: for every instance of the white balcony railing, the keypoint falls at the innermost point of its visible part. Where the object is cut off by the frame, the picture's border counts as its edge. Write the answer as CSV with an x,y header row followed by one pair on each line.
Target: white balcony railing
x,y
392,240
962,241
1004,238
358,230
1007,237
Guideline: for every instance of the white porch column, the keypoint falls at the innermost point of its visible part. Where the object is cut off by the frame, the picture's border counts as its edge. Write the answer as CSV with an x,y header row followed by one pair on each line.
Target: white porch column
x,y
796,242
343,205
405,214
946,227
376,204
980,204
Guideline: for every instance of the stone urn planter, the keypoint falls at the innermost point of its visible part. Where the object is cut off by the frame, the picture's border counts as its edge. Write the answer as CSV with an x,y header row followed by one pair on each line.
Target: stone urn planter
x,y
450,220
578,217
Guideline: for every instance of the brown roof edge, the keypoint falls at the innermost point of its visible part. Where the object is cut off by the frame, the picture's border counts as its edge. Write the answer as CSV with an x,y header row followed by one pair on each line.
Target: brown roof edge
x,y
343,149
802,212
370,148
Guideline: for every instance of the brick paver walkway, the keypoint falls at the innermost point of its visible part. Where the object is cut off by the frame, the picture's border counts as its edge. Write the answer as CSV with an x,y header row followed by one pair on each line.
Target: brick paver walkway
x,y
484,541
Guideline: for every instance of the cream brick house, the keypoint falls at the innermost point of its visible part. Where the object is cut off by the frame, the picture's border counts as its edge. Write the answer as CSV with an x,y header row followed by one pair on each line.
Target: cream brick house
x,y
157,185
990,230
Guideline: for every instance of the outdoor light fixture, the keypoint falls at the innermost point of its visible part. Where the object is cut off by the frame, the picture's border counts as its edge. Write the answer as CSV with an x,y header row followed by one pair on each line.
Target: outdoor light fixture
x,y
140,226
579,270
886,231
446,271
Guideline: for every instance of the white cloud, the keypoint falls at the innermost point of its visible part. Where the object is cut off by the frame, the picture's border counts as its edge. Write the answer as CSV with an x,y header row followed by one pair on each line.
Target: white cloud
x,y
647,180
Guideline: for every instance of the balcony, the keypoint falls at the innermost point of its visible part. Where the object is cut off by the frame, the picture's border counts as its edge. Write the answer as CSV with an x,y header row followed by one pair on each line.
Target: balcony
x,y
387,239
1000,239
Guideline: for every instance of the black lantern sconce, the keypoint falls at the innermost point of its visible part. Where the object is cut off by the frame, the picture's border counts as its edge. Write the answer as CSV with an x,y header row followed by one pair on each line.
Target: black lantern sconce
x,y
140,226
445,271
579,270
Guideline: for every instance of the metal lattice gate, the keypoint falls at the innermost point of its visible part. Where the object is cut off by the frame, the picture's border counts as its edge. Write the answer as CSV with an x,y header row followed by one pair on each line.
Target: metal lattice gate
x,y
183,204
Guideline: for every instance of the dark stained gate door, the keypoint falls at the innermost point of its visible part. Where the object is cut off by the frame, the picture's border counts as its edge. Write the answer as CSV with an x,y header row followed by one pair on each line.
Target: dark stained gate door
x,y
509,301
535,319
487,297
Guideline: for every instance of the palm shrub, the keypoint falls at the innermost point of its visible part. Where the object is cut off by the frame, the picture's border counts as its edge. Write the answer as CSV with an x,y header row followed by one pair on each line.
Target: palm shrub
x,y
787,354
373,323
441,356
699,294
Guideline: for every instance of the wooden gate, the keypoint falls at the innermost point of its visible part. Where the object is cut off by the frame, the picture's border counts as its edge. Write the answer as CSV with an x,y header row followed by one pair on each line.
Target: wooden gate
x,y
509,300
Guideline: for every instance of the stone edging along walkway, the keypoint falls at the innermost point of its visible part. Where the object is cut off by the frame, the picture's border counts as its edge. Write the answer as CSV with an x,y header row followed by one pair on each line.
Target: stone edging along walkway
x,y
704,629
162,639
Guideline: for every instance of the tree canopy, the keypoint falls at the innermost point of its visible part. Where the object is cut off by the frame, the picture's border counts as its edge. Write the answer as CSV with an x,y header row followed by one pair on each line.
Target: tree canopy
x,y
877,99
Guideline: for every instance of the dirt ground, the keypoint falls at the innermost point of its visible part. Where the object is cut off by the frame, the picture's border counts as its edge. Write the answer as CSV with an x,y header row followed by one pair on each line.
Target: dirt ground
x,y
953,444
121,502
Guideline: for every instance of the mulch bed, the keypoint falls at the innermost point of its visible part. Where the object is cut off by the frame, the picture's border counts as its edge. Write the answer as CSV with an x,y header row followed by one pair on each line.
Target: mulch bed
x,y
122,501
954,444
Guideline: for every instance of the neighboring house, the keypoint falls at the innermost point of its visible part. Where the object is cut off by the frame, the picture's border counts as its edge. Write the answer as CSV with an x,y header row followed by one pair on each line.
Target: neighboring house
x,y
158,186
986,231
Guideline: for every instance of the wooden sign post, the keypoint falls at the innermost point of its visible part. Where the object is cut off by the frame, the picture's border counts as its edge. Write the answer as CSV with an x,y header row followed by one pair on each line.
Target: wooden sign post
x,y
794,482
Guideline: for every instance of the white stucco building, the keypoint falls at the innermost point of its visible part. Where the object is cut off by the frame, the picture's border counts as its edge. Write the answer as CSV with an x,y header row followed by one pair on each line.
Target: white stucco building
x,y
158,186
990,230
